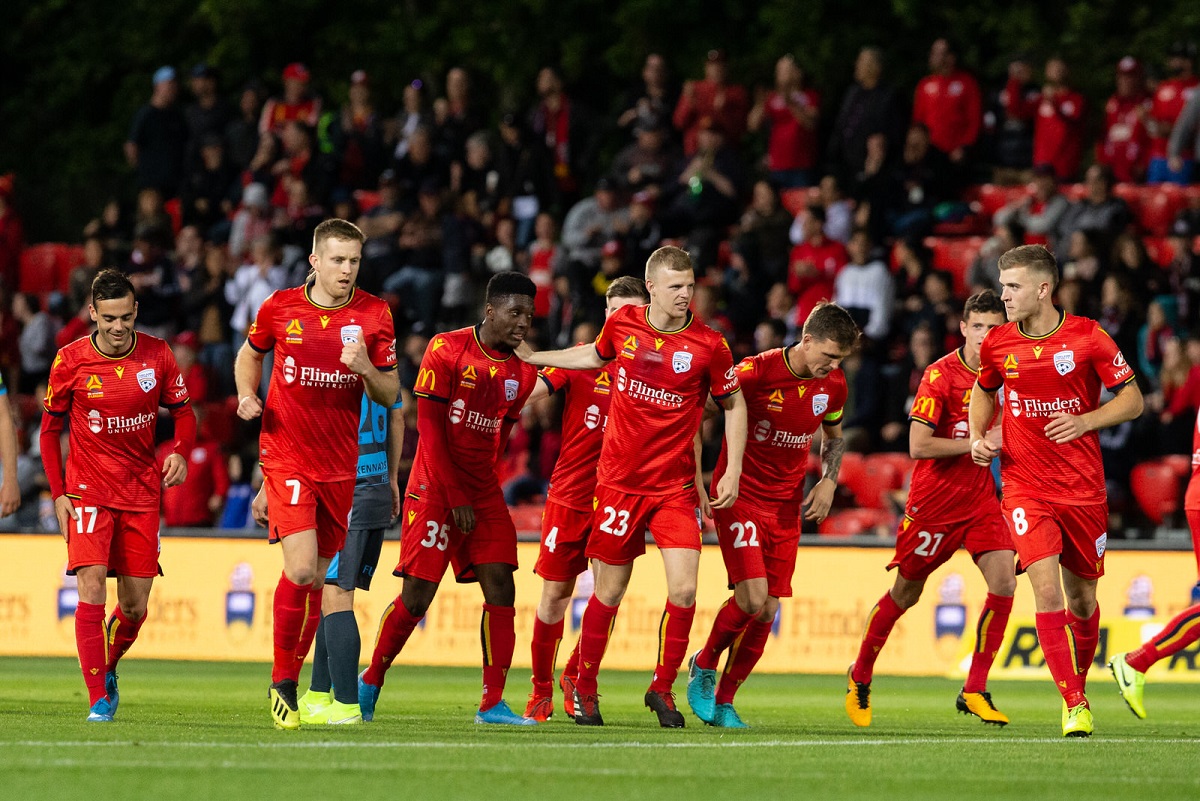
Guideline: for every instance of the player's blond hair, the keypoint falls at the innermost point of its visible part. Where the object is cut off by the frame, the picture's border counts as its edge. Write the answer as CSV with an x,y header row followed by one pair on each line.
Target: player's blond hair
x,y
667,257
337,229
1032,257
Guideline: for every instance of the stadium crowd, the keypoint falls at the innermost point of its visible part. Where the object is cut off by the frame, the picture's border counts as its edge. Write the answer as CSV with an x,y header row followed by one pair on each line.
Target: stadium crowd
x,y
896,210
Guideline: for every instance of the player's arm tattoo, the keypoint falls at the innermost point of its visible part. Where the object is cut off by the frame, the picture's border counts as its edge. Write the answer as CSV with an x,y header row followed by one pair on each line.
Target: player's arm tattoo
x,y
832,450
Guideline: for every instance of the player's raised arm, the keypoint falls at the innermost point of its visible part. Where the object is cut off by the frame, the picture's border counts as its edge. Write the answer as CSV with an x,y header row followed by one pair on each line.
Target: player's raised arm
x,y
579,357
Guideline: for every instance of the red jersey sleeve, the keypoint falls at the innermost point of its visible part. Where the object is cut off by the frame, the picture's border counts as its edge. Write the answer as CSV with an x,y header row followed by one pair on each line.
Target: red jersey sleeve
x,y
435,377
382,342
609,341
990,373
837,406
723,379
927,403
1108,361
58,387
553,378
261,335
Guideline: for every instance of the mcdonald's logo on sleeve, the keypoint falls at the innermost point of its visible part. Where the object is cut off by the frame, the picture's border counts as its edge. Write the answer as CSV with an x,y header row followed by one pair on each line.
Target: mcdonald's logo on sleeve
x,y
925,407
426,380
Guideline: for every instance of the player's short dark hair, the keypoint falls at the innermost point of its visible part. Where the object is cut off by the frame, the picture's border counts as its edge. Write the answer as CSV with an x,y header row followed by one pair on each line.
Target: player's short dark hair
x,y
985,302
668,257
337,229
509,283
829,321
628,287
111,284
1034,257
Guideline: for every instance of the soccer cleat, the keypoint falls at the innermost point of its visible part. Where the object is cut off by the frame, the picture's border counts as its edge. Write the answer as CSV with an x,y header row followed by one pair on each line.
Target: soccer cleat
x,y
102,711
726,717
1077,721
284,709
858,700
110,689
539,708
587,710
502,715
334,713
567,684
1131,683
313,706
368,696
663,705
980,705
701,690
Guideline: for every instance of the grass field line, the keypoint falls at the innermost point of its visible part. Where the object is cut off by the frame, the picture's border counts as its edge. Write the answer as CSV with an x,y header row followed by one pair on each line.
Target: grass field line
x,y
873,742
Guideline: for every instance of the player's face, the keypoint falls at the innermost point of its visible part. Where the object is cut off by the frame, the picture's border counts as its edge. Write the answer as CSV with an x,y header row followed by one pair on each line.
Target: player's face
x,y
822,356
336,264
671,291
114,322
617,303
509,319
1022,292
975,327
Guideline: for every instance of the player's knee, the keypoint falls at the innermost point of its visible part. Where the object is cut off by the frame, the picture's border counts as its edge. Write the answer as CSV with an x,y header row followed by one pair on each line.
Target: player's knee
x,y
301,576
417,595
770,608
1003,585
133,610
907,594
682,597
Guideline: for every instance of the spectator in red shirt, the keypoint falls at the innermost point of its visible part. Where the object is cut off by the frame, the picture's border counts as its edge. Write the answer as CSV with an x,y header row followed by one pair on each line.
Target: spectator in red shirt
x,y
1058,131
814,264
725,104
1169,99
184,346
198,500
1013,118
296,104
792,111
1125,146
947,103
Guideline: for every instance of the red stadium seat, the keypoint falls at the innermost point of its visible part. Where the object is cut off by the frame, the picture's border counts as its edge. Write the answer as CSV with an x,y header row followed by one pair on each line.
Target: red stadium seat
x,y
902,462
1160,249
1178,464
1134,196
1156,488
871,482
1158,207
39,269
849,522
528,516
955,255
67,258
993,197
366,199
795,201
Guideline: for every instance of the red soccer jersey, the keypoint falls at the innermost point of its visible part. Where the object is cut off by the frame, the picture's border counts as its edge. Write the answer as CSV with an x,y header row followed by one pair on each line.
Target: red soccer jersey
x,y
111,403
585,416
785,411
1125,146
792,145
1169,99
481,389
310,425
954,489
1058,133
1042,376
949,106
1191,499
662,379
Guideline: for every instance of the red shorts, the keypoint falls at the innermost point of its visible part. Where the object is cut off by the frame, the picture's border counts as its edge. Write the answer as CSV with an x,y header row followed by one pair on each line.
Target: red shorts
x,y
1078,535
564,540
296,504
922,547
429,541
622,519
125,542
758,545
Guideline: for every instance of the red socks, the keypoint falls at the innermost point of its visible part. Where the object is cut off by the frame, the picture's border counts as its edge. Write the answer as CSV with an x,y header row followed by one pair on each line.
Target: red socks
x,y
1058,646
498,636
673,634
1087,637
572,667
395,627
290,614
312,619
875,634
90,642
730,622
1182,631
989,634
543,650
594,632
747,650
121,633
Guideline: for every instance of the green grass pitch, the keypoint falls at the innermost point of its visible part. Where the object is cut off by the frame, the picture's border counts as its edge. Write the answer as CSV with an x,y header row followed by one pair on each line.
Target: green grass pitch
x,y
202,731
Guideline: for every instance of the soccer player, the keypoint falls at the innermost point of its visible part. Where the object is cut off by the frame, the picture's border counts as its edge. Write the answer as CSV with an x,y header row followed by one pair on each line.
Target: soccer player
x,y
10,490
1129,670
470,390
789,392
951,504
109,386
332,695
567,521
667,364
1051,365
331,340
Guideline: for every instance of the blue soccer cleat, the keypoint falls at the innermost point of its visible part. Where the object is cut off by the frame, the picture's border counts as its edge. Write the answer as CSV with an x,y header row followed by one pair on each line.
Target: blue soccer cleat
x,y
102,711
501,714
110,688
368,696
701,690
726,717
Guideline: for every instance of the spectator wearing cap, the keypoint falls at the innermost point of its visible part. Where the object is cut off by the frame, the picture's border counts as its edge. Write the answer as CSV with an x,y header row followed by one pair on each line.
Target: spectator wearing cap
x,y
651,100
1038,214
590,223
646,163
241,134
157,138
1011,121
209,188
1058,130
947,103
208,114
564,130
1125,144
869,108
356,134
792,111
1170,96
297,102
712,101
12,234
612,267
413,114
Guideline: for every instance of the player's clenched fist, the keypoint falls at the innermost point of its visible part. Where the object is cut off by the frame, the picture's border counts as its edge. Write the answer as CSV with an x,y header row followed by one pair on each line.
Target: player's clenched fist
x,y
249,407
354,356
983,451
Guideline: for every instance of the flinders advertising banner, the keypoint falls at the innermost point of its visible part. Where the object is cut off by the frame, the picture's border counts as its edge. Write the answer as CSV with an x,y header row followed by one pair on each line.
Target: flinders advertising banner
x,y
214,602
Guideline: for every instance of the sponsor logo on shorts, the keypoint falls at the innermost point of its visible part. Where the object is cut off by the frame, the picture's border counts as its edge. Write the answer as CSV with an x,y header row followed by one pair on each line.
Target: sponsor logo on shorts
x,y
1064,361
1101,544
